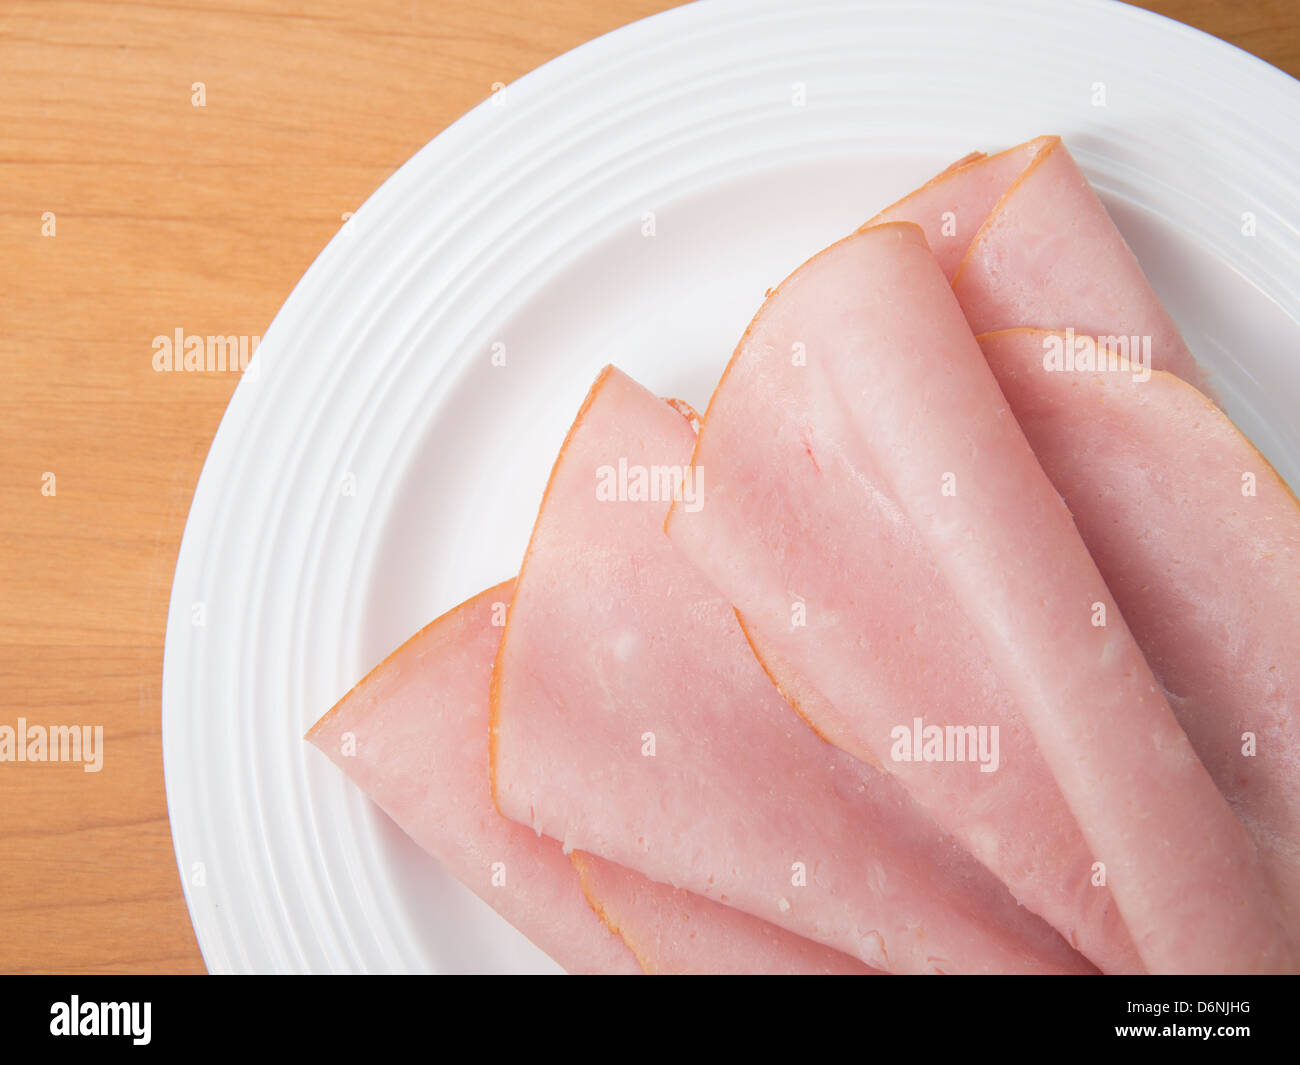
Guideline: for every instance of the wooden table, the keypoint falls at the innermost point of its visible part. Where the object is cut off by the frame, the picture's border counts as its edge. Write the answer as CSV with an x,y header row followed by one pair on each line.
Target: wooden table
x,y
168,215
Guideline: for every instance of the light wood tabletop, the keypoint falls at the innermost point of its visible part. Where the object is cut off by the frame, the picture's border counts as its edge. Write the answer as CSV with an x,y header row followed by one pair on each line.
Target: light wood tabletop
x,y
128,211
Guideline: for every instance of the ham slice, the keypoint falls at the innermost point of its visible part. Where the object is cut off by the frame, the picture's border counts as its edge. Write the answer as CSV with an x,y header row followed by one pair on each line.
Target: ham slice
x,y
843,603
418,729
631,721
1025,241
940,574
681,933
1198,539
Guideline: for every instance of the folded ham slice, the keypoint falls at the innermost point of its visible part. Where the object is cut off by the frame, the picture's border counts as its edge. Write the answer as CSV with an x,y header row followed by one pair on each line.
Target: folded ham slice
x,y
630,720
1025,241
876,515
675,932
842,600
1198,539
414,734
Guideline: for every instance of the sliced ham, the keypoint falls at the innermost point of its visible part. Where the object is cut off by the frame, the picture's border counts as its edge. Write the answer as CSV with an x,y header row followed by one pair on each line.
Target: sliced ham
x,y
843,603
941,575
417,727
631,721
676,932
1025,241
1198,539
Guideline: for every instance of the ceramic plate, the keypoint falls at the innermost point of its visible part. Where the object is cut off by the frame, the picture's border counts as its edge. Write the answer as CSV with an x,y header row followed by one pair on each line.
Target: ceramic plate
x,y
629,202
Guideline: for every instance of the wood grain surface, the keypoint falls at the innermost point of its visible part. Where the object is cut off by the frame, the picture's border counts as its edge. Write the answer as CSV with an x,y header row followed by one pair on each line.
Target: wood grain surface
x,y
168,215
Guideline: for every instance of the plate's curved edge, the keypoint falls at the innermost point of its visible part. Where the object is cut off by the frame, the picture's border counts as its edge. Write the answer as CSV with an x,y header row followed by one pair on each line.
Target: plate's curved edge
x,y
1283,81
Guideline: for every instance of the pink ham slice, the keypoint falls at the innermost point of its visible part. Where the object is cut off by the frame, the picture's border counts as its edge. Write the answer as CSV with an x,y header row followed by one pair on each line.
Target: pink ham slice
x,y
971,605
419,726
675,932
1198,539
1025,241
843,603
631,721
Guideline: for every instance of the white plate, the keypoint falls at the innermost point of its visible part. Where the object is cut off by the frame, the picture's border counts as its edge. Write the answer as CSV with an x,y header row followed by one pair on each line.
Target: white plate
x,y
522,225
